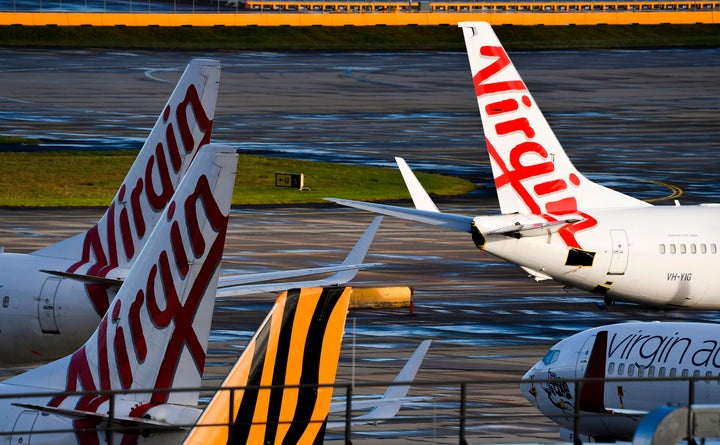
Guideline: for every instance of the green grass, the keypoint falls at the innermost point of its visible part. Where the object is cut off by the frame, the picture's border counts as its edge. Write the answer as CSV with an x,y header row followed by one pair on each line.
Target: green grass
x,y
436,38
17,140
49,179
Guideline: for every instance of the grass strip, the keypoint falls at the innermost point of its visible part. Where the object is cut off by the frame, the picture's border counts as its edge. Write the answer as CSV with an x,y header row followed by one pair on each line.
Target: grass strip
x,y
70,179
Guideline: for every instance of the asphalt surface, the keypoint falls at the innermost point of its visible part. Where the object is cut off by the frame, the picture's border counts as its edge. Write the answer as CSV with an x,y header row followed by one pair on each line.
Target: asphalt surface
x,y
645,122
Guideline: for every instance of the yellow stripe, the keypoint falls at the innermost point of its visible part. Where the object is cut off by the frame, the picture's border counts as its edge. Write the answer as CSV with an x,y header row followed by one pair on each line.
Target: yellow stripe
x,y
217,411
307,302
257,429
328,367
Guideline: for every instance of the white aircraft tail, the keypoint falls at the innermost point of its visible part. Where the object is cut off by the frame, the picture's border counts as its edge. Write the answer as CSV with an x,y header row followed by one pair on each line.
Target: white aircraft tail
x,y
532,172
184,126
155,333
278,399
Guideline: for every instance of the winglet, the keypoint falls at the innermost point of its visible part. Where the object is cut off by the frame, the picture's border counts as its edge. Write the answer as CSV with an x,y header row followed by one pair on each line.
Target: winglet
x,y
389,405
420,197
357,254
278,399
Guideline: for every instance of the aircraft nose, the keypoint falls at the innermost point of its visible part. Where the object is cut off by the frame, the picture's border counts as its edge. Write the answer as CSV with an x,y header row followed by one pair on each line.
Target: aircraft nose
x,y
528,387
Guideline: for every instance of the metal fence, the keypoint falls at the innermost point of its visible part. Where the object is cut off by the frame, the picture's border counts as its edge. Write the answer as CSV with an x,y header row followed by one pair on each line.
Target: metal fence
x,y
459,412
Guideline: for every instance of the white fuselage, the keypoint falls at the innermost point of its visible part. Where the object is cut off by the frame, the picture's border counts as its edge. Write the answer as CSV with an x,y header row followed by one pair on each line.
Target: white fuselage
x,y
42,316
659,256
634,358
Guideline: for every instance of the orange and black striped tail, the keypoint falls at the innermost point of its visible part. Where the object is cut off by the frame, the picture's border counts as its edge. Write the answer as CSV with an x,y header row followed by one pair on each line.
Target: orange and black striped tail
x,y
280,376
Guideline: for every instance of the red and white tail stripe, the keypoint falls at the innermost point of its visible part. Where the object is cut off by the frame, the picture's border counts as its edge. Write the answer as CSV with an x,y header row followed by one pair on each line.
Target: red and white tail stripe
x,y
184,126
532,171
155,334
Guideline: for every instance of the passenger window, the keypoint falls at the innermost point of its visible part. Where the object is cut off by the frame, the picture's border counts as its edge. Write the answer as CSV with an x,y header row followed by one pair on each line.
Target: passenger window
x,y
6,301
662,249
685,373
713,248
631,370
703,248
651,371
673,372
693,248
641,371
682,248
672,248
611,368
621,368
661,372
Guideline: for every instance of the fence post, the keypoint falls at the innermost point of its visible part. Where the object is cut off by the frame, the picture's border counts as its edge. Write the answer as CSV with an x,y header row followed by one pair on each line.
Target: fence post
x,y
463,395
348,413
691,401
576,414
111,417
230,416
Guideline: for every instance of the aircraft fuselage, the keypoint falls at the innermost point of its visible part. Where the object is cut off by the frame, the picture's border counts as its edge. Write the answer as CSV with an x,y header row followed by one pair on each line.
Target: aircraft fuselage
x,y
661,255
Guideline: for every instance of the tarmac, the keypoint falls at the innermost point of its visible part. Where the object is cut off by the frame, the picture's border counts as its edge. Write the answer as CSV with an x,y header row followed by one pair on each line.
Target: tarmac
x,y
645,120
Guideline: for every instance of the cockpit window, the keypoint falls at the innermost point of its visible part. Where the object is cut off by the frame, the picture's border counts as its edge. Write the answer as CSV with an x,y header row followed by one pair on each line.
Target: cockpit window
x,y
551,356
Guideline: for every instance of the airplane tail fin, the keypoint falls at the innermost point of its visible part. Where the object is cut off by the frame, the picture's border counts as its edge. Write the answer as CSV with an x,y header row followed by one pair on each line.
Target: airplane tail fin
x,y
532,172
184,125
155,333
116,240
295,349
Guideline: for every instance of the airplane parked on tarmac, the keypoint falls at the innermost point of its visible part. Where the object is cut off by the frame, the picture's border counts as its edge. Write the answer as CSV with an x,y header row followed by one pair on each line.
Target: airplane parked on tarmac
x,y
154,338
557,224
52,299
645,352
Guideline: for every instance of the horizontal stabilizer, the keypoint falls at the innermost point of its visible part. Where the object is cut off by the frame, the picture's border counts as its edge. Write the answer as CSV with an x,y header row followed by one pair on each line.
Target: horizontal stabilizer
x,y
254,283
535,229
460,223
333,280
81,414
88,279
255,278
539,276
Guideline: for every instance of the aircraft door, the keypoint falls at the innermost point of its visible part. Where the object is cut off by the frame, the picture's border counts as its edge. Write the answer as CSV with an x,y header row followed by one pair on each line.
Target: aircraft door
x,y
46,306
584,357
23,425
619,252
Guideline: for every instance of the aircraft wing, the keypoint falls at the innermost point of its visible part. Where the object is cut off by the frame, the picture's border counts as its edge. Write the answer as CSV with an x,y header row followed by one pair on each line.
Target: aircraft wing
x,y
235,285
389,404
452,221
425,210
